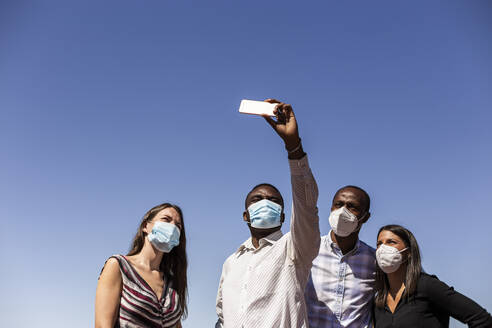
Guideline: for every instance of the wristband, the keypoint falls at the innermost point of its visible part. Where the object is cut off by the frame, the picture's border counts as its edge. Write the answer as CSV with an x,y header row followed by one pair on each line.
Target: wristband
x,y
295,149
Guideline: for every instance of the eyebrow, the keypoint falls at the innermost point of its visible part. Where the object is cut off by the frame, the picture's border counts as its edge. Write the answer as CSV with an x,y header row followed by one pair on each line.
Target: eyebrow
x,y
256,195
167,216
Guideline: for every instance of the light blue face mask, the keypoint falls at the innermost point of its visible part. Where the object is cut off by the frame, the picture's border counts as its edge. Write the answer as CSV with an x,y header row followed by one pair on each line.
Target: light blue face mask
x,y
164,236
265,214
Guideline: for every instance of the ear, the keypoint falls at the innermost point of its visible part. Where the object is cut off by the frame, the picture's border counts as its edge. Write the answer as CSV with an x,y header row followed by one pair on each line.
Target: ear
x,y
246,216
282,218
366,217
147,228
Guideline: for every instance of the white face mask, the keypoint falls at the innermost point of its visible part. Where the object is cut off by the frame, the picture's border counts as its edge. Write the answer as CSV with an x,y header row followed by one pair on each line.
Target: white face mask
x,y
389,258
343,222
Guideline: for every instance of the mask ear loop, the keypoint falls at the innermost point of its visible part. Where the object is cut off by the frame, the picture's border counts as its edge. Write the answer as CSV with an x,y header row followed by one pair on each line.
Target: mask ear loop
x,y
406,259
359,225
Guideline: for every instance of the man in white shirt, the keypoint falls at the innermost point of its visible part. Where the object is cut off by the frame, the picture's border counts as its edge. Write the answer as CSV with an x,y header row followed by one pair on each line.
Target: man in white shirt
x,y
262,283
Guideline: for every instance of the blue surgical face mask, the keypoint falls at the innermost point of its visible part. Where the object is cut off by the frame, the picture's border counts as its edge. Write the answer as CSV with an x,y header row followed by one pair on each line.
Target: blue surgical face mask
x,y
164,236
265,214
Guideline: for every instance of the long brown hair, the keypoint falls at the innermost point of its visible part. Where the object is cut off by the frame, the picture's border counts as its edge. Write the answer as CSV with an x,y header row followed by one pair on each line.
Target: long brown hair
x,y
414,266
174,264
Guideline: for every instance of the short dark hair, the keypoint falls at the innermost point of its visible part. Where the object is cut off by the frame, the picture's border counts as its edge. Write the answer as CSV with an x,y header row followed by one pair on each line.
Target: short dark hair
x,y
366,198
258,186
414,266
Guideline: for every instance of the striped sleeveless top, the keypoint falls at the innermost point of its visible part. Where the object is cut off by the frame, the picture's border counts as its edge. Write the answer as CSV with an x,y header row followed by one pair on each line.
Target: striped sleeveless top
x,y
140,306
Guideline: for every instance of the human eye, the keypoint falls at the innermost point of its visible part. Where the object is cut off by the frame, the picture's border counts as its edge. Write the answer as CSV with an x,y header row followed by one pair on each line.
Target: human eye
x,y
256,198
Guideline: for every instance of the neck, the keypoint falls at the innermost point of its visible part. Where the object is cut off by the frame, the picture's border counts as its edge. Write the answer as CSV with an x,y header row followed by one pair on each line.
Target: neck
x,y
346,244
149,256
396,279
257,234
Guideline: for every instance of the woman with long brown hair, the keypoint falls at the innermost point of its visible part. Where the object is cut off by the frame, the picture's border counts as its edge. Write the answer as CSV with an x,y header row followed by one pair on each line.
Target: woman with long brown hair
x,y
408,297
148,286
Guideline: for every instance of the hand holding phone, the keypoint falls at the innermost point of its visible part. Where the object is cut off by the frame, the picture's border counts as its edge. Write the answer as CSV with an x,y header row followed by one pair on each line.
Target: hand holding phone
x,y
285,125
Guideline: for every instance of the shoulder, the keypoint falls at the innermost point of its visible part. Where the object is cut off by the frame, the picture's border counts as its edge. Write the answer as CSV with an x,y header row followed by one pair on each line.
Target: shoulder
x,y
325,239
230,260
112,262
366,248
366,251
431,285
115,261
426,279
111,270
324,245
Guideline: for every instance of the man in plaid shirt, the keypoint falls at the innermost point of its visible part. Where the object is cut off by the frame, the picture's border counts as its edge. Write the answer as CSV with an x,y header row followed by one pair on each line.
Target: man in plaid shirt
x,y
340,289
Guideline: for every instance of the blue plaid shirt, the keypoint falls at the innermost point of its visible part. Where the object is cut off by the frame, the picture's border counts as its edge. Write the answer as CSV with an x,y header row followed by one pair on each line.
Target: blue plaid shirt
x,y
340,289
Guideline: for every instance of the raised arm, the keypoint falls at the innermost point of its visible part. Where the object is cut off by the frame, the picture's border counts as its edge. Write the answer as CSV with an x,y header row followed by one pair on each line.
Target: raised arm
x,y
108,295
304,225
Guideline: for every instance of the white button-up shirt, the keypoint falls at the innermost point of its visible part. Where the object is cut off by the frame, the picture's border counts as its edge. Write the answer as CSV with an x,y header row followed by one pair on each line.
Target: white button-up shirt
x,y
264,287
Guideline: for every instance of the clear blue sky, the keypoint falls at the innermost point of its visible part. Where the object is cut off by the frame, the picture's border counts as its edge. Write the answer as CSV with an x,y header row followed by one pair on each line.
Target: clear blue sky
x,y
108,108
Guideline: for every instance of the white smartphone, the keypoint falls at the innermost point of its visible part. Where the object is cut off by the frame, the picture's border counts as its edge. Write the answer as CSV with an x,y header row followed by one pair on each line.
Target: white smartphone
x,y
256,107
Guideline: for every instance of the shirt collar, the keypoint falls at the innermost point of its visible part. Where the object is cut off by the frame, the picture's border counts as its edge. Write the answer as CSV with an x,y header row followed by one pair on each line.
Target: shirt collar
x,y
248,244
333,245
273,237
270,239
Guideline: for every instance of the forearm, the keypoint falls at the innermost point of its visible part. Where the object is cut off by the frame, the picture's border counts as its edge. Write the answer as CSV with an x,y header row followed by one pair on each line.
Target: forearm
x,y
457,305
304,222
481,320
469,312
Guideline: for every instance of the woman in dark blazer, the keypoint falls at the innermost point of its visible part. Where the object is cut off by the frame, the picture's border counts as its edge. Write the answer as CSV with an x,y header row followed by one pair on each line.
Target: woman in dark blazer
x,y
408,297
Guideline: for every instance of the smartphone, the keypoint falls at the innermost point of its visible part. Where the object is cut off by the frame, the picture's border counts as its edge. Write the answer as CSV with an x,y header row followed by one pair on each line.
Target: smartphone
x,y
256,107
